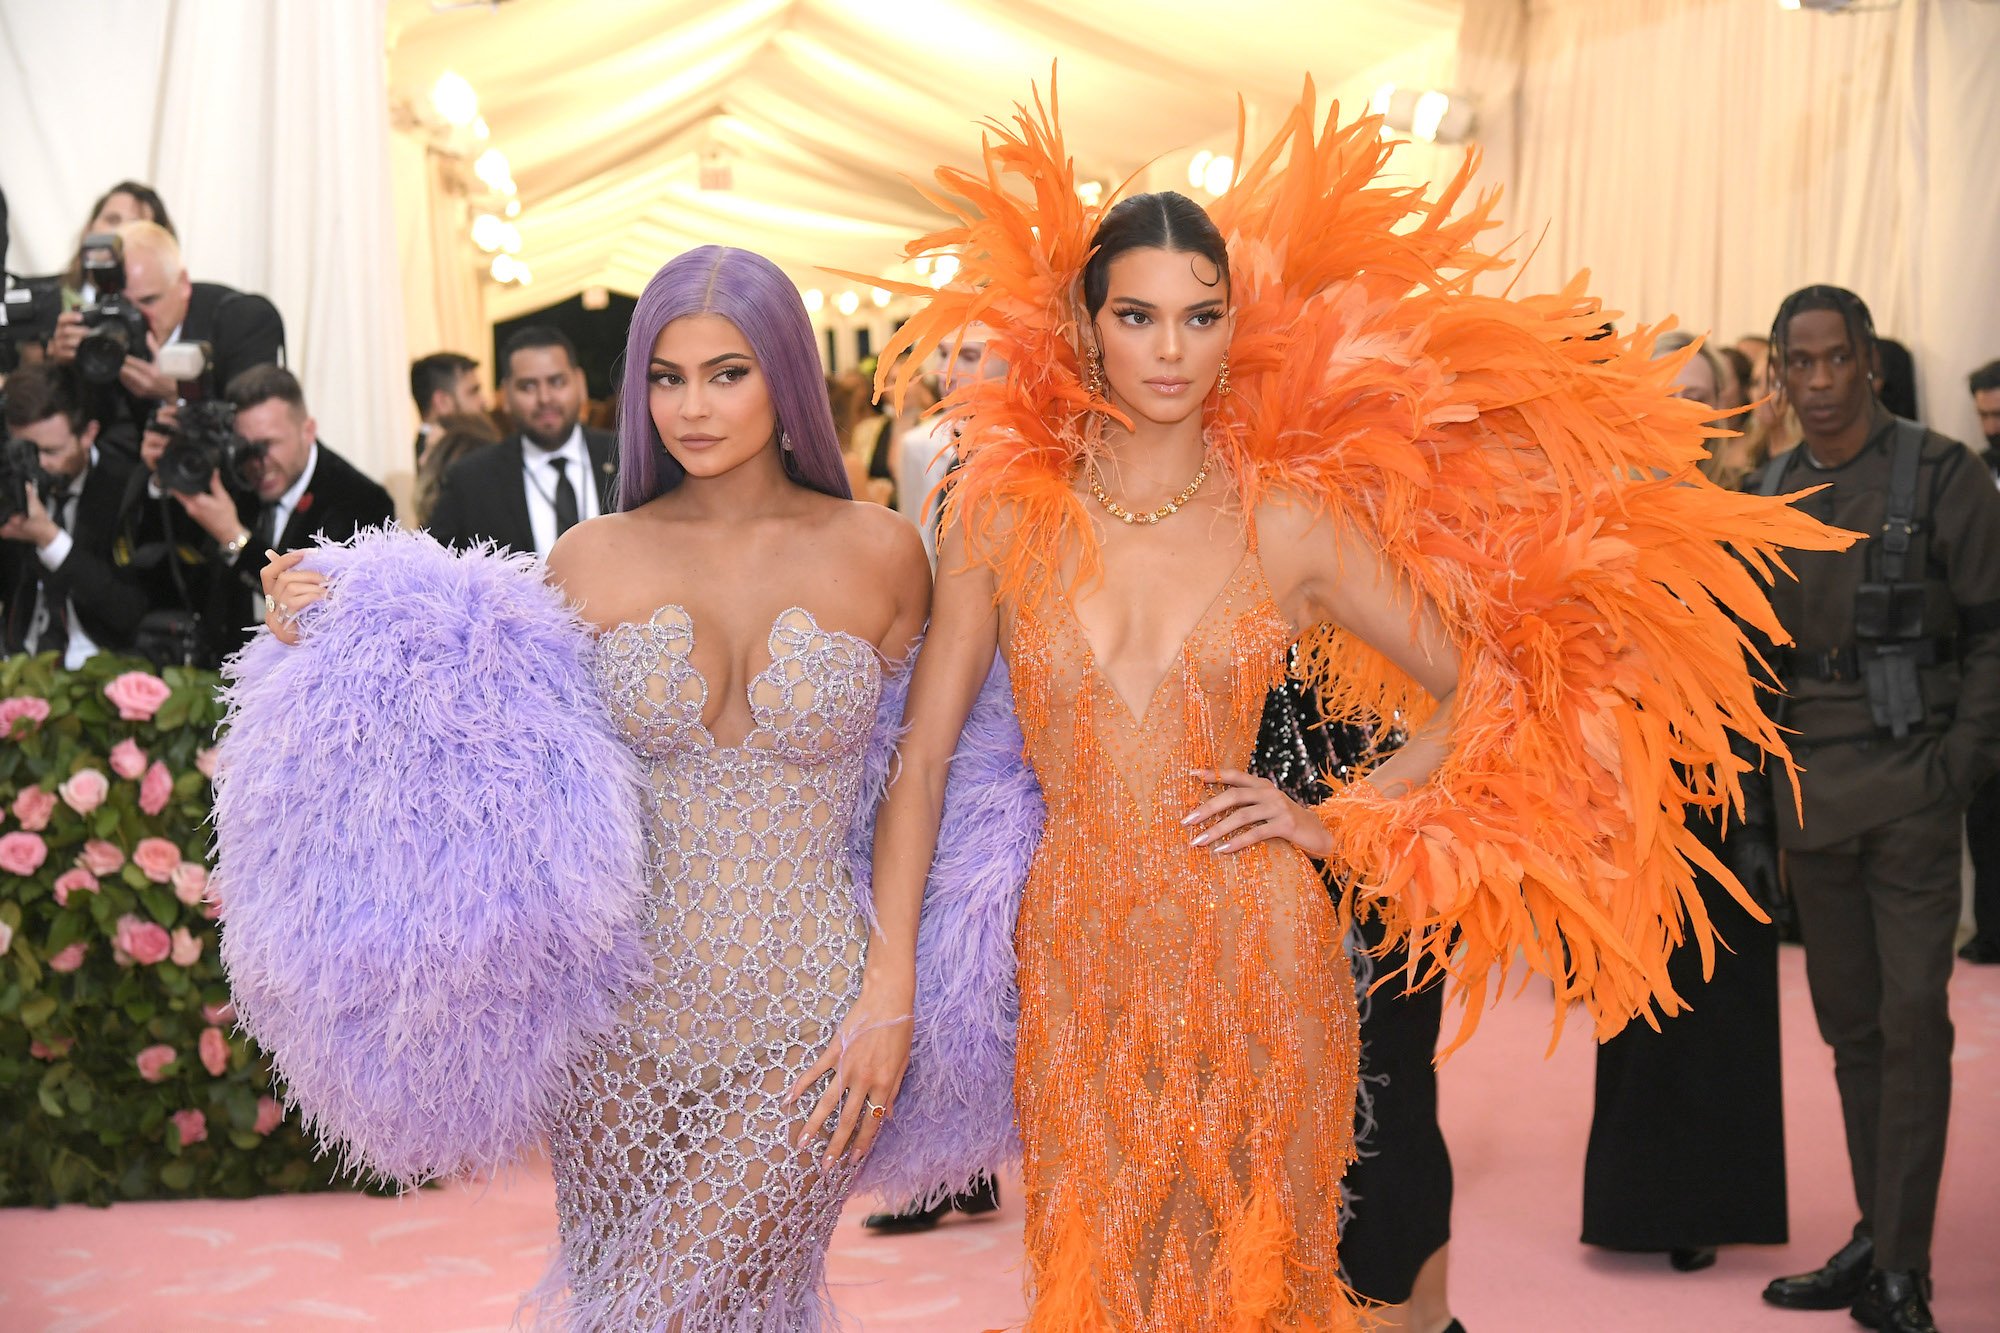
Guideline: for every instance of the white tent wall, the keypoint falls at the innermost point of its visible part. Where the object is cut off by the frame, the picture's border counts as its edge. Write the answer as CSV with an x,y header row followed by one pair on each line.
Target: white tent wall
x,y
1705,157
265,129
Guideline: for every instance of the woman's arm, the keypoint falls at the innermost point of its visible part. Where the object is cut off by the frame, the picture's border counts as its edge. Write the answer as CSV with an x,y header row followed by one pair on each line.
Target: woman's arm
x,y
1323,574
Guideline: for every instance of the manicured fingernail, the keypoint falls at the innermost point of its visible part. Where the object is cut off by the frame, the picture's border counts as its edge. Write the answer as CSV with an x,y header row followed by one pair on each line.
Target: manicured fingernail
x,y
1192,816
1199,839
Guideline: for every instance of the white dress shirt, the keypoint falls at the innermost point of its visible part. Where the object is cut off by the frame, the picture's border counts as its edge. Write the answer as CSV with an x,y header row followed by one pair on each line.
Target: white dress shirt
x,y
923,456
539,475
289,501
81,646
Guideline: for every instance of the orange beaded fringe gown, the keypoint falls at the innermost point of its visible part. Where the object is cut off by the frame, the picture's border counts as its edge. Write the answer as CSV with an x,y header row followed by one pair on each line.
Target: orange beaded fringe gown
x,y
1187,1050
1186,1059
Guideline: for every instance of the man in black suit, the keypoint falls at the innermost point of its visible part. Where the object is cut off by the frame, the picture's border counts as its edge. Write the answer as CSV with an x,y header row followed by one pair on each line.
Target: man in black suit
x,y
64,590
540,482
241,329
292,489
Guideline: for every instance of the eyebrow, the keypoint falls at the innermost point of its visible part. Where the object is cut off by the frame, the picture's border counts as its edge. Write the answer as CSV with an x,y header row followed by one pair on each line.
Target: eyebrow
x,y
664,364
1135,303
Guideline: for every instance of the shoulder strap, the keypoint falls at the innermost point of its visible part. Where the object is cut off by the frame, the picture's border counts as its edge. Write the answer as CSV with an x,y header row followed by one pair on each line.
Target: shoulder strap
x,y
1773,475
1899,517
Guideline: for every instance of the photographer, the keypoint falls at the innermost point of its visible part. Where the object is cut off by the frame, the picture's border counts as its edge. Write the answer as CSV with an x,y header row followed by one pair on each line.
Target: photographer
x,y
237,494
143,271
64,590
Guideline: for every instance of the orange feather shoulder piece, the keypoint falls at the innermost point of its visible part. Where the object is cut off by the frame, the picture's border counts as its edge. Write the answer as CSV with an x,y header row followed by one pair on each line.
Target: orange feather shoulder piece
x,y
1536,483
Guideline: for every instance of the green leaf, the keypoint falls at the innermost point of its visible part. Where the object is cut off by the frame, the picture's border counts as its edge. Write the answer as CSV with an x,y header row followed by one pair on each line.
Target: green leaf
x,y
81,1098
104,821
49,1101
140,1011
68,929
173,714
38,1011
134,876
178,1175
160,903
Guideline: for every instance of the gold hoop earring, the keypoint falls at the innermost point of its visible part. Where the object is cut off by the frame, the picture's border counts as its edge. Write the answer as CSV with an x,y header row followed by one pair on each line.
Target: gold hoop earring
x,y
1093,380
1222,380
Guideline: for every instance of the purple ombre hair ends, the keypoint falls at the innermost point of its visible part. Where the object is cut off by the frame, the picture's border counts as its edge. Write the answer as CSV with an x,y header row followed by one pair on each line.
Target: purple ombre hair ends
x,y
754,294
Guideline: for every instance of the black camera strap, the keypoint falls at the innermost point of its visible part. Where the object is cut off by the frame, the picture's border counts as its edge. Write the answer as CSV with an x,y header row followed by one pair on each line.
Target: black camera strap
x,y
1899,517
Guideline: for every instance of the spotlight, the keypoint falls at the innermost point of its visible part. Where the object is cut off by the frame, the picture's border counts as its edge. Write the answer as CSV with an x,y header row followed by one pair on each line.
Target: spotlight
x,y
815,300
847,302
454,99
1219,174
1198,168
880,296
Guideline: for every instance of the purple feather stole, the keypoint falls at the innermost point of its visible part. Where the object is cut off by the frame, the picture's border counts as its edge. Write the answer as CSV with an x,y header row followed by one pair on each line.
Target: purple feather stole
x,y
428,853
954,1116
430,856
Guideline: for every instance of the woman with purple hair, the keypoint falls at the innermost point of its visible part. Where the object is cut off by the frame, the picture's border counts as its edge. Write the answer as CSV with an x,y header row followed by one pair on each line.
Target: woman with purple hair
x,y
744,618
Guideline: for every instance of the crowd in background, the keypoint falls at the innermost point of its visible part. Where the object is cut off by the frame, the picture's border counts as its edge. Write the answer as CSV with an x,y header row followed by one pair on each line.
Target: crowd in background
x,y
142,491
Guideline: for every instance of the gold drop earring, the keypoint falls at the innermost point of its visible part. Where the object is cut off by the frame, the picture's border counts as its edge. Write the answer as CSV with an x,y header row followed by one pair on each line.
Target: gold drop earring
x,y
1093,380
1222,380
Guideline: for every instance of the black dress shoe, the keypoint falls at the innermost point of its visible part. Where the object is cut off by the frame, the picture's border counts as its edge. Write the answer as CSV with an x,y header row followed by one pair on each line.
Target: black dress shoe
x,y
983,1197
1980,949
1895,1302
1691,1259
1834,1285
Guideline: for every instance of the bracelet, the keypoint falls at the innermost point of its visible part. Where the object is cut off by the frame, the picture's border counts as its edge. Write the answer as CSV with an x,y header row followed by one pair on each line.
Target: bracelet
x,y
236,545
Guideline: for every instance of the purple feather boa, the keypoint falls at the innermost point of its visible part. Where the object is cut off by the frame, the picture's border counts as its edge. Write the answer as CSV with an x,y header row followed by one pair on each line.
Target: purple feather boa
x,y
954,1115
429,851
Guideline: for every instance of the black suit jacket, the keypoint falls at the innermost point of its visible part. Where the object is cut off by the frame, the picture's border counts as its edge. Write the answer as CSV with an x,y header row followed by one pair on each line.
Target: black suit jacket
x,y
339,501
242,329
110,598
484,496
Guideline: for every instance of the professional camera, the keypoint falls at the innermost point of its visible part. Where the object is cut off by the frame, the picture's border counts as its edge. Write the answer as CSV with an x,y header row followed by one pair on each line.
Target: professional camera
x,y
20,468
28,310
204,442
117,327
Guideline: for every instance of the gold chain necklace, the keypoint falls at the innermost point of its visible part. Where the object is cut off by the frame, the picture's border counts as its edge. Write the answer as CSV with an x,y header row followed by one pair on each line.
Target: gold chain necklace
x,y
1151,516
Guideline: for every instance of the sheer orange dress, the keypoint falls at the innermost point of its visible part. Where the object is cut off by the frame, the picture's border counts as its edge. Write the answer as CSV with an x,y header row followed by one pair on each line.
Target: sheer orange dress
x,y
1187,1049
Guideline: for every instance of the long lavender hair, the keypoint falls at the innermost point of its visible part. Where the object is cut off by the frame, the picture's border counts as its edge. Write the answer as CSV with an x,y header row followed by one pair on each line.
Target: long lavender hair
x,y
752,293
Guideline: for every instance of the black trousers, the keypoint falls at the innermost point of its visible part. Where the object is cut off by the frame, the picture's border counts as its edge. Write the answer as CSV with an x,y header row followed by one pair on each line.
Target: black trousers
x,y
1879,913
1982,835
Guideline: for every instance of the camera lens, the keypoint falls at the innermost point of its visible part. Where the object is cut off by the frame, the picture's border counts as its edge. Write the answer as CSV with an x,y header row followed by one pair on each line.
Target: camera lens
x,y
101,354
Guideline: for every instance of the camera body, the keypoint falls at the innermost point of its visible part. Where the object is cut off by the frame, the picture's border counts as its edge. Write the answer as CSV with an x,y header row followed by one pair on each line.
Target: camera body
x,y
204,442
28,311
117,327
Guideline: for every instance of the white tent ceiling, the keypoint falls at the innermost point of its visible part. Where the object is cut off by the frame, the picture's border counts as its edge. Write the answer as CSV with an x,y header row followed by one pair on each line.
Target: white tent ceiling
x,y
826,109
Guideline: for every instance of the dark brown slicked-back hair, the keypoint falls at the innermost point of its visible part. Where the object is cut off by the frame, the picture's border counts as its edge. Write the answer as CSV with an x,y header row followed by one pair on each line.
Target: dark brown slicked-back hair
x,y
1163,221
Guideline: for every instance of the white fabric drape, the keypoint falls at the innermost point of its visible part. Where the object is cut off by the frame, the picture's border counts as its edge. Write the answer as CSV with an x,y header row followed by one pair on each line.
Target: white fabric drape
x,y
1705,157
265,129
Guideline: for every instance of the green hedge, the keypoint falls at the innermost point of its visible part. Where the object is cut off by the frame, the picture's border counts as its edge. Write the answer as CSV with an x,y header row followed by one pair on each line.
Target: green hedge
x,y
120,1076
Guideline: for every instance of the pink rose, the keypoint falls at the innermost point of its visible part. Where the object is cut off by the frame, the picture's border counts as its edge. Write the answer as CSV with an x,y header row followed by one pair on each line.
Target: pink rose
x,y
128,761
52,1050
192,1124
158,858
70,958
142,942
33,808
20,706
186,948
138,695
222,1015
85,791
204,763
269,1115
6,937
100,858
78,880
22,853
215,1051
190,882
153,1062
156,790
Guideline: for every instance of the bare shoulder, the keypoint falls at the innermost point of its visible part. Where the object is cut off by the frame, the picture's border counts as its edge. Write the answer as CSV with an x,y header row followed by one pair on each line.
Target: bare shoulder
x,y
590,564
886,541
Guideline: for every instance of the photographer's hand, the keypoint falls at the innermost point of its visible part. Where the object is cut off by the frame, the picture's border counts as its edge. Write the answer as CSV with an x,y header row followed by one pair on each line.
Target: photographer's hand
x,y
159,434
32,524
215,511
143,379
69,332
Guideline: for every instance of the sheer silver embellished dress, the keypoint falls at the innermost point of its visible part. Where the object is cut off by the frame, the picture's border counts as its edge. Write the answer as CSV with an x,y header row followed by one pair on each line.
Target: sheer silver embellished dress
x,y
684,1205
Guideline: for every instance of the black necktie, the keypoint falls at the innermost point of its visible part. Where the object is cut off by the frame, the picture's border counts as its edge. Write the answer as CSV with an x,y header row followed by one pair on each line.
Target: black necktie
x,y
265,536
566,515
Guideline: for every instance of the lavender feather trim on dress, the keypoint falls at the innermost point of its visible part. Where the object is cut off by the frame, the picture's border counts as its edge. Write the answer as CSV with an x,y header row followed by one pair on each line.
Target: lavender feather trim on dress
x,y
954,1117
429,855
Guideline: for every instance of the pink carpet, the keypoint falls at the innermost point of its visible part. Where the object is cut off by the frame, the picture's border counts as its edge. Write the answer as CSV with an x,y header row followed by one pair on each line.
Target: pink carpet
x,y
456,1260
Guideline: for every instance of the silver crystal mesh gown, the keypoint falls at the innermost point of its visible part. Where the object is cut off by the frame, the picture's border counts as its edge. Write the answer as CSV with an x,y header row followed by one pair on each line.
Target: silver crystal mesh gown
x,y
684,1205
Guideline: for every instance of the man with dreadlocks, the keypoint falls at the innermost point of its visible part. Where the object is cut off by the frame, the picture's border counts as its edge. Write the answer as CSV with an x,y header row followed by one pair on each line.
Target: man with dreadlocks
x,y
1894,693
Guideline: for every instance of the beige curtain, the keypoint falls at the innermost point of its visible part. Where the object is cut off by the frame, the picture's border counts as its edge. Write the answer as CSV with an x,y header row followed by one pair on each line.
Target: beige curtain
x,y
1705,157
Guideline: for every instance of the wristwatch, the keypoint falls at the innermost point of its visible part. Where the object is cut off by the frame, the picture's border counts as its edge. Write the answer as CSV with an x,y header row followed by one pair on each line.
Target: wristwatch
x,y
235,545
